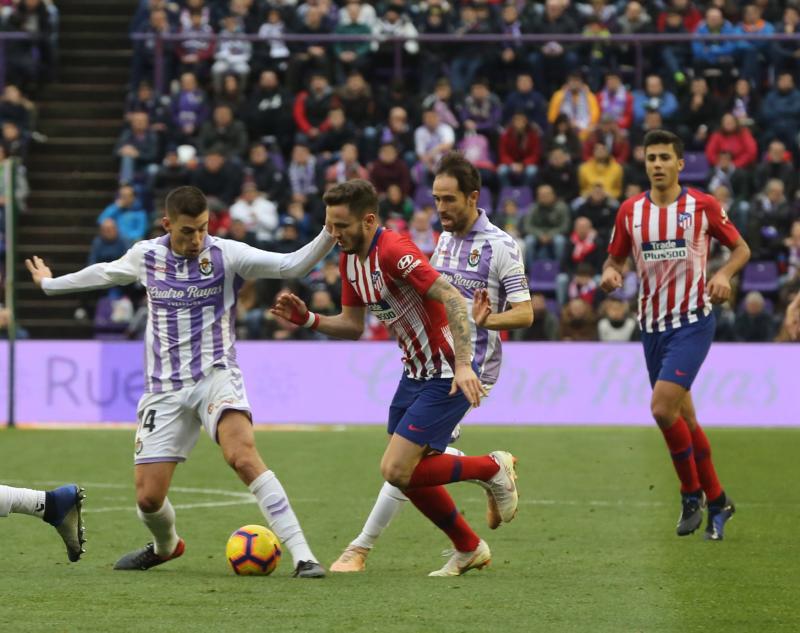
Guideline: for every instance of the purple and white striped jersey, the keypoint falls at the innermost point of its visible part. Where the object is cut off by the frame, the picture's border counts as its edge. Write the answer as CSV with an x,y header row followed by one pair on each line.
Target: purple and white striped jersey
x,y
191,302
487,257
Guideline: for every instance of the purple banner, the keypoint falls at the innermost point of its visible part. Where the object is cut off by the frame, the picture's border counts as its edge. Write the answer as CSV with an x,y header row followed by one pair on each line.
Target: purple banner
x,y
90,382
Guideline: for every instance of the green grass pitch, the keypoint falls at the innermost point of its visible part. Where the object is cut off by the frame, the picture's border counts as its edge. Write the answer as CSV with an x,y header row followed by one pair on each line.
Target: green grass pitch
x,y
592,549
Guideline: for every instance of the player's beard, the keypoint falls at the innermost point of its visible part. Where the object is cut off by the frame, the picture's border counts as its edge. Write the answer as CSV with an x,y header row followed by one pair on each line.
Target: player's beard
x,y
358,243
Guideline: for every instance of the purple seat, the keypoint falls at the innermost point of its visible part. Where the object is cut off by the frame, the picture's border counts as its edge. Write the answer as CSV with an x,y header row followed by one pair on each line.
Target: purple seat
x,y
542,276
104,327
553,307
521,195
761,276
485,201
696,168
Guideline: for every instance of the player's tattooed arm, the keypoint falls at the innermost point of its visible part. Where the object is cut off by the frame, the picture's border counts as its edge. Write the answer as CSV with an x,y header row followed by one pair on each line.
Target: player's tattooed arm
x,y
456,309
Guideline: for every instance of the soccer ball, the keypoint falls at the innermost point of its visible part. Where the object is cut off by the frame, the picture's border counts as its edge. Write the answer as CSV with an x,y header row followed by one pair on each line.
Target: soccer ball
x,y
253,550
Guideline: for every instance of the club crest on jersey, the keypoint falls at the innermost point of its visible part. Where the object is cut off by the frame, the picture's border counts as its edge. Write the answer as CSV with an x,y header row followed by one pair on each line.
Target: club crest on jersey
x,y
206,267
377,281
474,257
685,220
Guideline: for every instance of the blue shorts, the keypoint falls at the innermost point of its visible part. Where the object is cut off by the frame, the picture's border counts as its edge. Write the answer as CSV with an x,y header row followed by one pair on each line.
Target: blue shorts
x,y
423,412
676,355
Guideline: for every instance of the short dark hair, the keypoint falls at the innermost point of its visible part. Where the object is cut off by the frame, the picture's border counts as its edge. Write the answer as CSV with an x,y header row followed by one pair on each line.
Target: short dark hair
x,y
185,201
455,165
359,195
664,137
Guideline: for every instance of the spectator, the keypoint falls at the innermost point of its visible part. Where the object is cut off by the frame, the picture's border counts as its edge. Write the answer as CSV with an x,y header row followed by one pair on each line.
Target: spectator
x,y
352,56
347,167
356,99
601,169
5,320
144,50
21,189
634,172
482,111
786,53
616,101
268,114
585,247
525,98
792,244
601,211
609,134
170,174
194,53
545,323
546,225
231,95
390,169
562,135
520,152
189,109
224,133
654,97
269,178
753,323
675,56
770,217
137,148
509,218
128,214
755,55
617,325
718,56
422,234
14,107
552,61
399,133
288,236
219,178
394,23
780,112
689,13
443,101
258,213
311,54
339,131
107,245
578,322
432,140
232,54
777,164
560,173
698,109
511,53
726,174
394,205
303,173
271,51
734,139
434,55
312,107
744,103
635,21
475,148
468,59
577,102
583,285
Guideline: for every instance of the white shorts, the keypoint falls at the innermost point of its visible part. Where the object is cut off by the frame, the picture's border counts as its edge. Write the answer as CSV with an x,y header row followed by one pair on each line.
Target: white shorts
x,y
169,423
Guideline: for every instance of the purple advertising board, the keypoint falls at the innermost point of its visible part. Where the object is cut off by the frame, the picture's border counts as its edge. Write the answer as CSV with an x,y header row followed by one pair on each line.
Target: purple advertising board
x,y
91,382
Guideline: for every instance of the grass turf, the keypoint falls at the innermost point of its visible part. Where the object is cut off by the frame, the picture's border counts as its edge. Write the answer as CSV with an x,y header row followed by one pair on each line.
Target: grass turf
x,y
592,549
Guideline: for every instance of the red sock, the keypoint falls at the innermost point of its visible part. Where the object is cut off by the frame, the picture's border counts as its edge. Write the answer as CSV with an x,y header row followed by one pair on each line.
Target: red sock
x,y
705,467
437,504
437,470
679,441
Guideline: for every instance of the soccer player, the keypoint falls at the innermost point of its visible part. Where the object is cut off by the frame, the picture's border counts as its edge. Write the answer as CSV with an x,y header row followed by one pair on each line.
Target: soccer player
x,y
386,272
668,229
485,266
793,317
60,507
191,376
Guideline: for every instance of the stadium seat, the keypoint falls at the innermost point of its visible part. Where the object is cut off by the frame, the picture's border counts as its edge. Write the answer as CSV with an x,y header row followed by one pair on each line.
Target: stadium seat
x,y
760,276
696,168
104,327
521,195
543,275
485,201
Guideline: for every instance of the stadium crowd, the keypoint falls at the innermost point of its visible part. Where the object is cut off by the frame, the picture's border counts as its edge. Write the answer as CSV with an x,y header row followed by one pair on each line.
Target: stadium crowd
x,y
556,130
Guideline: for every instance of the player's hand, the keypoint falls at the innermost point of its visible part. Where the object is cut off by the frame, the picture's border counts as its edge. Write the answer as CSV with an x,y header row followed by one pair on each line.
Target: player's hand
x,y
38,270
719,288
290,307
611,280
481,307
466,380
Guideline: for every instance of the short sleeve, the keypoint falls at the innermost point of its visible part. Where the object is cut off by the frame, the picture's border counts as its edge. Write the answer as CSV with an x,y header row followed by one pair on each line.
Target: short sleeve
x,y
349,295
719,224
511,271
400,259
620,244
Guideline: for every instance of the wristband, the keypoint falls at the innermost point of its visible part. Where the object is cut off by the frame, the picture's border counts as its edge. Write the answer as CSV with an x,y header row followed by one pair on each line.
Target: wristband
x,y
312,321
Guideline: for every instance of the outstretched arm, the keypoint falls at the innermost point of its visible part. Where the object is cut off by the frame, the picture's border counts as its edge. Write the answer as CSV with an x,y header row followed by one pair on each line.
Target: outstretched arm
x,y
456,309
94,277
349,324
253,263
518,315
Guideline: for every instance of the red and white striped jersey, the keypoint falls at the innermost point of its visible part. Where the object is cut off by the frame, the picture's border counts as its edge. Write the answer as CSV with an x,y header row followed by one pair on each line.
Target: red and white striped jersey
x,y
392,283
670,246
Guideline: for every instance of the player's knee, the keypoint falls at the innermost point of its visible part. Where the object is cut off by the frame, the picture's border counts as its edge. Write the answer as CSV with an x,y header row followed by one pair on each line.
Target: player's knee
x,y
149,501
663,414
395,475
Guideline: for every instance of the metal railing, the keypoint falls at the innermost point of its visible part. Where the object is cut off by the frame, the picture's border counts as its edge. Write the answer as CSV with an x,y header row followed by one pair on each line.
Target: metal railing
x,y
397,42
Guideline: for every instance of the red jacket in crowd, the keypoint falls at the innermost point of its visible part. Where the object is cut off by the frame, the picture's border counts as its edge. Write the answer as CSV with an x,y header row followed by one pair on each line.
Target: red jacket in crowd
x,y
740,144
515,149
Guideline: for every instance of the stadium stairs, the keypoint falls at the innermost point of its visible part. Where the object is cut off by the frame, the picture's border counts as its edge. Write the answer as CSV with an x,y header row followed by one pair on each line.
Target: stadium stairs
x,y
73,175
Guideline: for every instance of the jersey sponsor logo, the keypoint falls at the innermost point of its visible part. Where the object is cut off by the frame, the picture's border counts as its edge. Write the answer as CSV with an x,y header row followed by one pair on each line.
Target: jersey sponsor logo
x,y
405,261
474,257
411,268
383,311
206,266
377,281
685,220
457,279
190,293
664,250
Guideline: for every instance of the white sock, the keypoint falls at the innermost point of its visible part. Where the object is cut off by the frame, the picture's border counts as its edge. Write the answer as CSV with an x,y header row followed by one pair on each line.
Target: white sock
x,y
22,501
277,510
387,505
161,524
451,450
